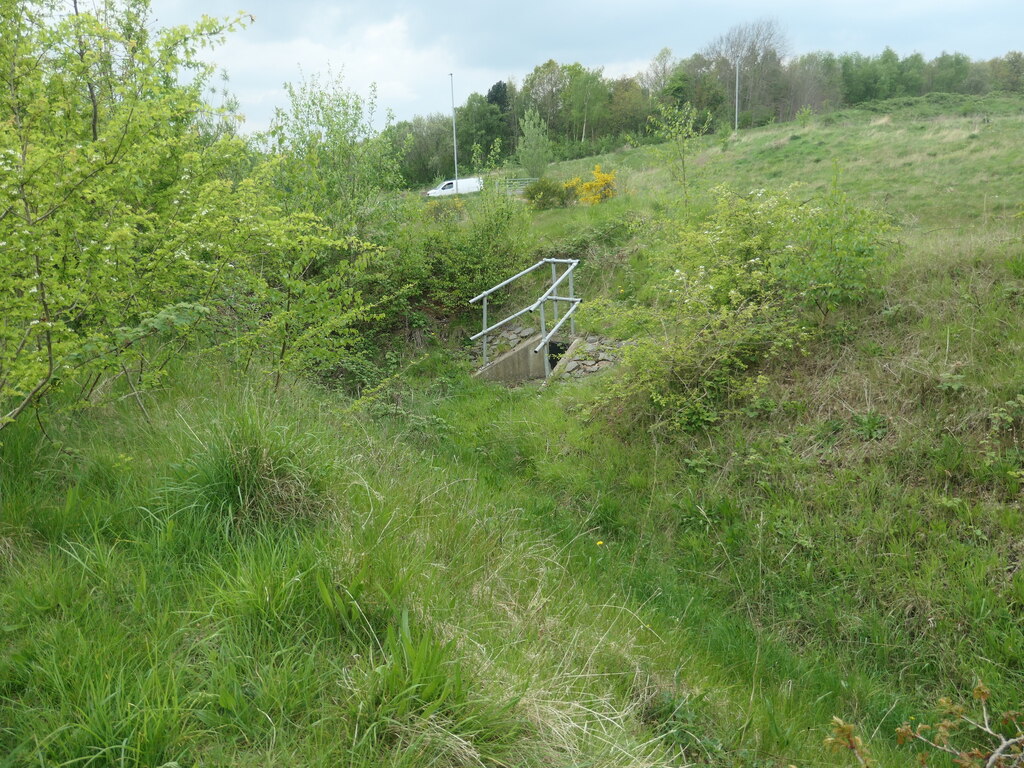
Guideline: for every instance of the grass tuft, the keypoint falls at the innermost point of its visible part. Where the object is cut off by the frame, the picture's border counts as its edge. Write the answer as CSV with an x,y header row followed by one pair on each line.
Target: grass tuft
x,y
256,467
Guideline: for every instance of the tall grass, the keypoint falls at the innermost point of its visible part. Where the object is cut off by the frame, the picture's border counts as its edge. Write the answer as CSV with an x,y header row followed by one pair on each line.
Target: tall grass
x,y
250,577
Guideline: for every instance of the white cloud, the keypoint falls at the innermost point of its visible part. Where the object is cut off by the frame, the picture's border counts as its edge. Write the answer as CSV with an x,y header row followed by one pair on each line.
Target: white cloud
x,y
410,79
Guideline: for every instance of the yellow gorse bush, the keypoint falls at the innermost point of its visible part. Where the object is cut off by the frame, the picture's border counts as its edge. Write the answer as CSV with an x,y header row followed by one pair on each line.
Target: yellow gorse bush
x,y
593,192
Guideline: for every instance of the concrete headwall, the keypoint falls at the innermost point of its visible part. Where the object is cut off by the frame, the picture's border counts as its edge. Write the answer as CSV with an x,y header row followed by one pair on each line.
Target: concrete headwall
x,y
518,364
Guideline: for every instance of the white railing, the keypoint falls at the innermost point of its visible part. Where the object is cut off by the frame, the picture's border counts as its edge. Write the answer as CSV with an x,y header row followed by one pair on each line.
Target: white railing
x,y
549,295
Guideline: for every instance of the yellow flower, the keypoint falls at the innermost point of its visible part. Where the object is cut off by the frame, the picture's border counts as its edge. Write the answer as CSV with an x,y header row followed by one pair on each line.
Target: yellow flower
x,y
600,543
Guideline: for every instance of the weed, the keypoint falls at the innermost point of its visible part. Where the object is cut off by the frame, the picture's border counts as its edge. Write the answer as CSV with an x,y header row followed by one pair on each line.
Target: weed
x,y
870,425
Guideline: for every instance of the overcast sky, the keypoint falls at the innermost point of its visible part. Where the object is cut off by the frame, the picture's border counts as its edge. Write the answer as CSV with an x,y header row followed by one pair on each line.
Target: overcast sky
x,y
408,48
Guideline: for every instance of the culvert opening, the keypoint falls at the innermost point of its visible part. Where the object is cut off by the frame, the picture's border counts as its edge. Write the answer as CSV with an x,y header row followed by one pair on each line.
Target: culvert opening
x,y
555,351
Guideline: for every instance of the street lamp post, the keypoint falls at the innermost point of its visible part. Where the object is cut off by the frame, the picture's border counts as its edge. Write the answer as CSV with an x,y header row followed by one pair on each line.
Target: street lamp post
x,y
736,125
455,138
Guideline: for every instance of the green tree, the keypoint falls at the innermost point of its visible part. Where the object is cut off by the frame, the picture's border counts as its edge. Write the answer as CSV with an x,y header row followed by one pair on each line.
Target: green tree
x,y
628,107
543,91
534,151
812,80
98,158
125,221
889,82
424,145
504,95
480,124
948,73
859,78
758,48
585,97
679,129
334,162
912,74
1008,72
655,77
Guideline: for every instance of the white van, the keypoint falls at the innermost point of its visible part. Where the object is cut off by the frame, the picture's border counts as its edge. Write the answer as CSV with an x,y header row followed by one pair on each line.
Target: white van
x,y
461,187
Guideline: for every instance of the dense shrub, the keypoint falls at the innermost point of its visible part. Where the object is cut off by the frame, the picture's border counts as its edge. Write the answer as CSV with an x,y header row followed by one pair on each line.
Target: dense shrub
x,y
467,256
449,252
547,193
719,299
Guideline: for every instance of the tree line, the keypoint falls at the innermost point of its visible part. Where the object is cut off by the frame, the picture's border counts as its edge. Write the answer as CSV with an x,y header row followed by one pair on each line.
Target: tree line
x,y
587,113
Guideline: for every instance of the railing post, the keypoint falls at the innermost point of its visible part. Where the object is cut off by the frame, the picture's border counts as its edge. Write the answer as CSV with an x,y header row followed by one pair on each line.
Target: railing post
x,y
543,333
554,277
485,328
572,295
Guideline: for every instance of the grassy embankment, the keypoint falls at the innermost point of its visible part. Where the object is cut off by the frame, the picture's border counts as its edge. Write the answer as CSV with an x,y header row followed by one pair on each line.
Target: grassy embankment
x,y
248,577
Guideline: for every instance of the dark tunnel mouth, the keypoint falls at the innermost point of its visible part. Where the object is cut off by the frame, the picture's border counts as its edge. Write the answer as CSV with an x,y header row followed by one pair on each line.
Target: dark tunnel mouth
x,y
556,349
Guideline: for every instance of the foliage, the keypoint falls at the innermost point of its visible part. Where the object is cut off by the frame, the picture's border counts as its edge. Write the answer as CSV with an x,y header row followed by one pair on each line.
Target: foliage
x,y
126,223
424,145
679,128
597,190
721,298
98,164
545,193
453,249
534,152
805,115
824,253
332,161
290,286
464,258
480,124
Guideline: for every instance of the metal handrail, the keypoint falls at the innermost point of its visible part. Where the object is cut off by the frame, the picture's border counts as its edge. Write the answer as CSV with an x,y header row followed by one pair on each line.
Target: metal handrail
x,y
526,271
500,323
553,331
548,295
544,296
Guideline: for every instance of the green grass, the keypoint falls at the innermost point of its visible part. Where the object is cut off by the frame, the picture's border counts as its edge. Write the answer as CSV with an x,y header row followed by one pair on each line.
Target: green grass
x,y
457,574
257,578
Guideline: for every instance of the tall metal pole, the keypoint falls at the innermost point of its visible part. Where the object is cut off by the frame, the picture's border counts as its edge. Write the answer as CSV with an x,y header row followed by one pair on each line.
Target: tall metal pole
x,y
455,138
736,126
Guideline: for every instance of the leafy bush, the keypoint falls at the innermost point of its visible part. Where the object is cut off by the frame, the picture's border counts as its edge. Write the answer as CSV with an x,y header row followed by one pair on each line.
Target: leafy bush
x,y
547,193
804,115
718,300
534,151
166,234
450,251
332,161
466,257
836,254
90,187
678,129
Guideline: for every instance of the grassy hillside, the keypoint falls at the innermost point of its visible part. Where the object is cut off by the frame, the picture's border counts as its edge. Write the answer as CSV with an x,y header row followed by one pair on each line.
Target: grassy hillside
x,y
452,573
